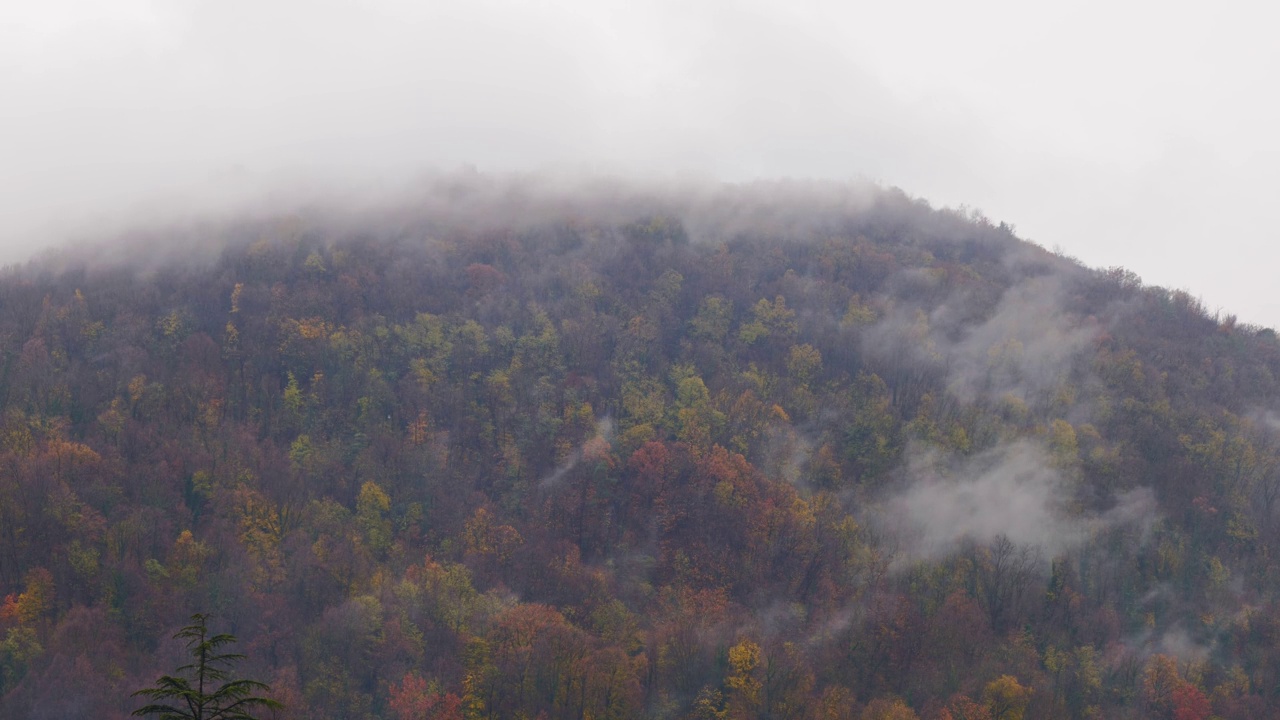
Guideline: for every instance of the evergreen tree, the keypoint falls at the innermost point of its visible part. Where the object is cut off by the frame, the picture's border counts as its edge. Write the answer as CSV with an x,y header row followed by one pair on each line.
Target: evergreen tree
x,y
192,692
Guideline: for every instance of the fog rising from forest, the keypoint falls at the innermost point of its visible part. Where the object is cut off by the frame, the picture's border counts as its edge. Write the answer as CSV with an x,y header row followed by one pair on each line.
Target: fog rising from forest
x,y
1012,491
1022,349
562,442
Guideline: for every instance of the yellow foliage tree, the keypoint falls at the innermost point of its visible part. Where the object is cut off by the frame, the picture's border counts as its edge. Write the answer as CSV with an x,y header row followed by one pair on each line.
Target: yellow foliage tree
x,y
1006,698
744,660
888,709
372,507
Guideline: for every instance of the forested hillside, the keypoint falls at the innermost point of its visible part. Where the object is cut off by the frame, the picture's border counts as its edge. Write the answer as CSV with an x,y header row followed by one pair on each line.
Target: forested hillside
x,y
765,451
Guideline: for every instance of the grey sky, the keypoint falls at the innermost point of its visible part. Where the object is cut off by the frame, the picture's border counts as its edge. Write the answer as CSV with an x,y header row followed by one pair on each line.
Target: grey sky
x,y
1141,134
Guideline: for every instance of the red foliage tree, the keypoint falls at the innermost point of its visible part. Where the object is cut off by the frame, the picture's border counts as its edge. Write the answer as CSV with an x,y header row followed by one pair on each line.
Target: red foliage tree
x,y
416,699
1190,703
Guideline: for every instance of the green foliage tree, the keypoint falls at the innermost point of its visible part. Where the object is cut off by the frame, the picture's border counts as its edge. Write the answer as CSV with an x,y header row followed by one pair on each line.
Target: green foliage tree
x,y
191,695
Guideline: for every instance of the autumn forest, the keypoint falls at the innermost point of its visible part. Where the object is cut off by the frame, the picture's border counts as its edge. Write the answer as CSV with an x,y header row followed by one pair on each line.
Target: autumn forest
x,y
777,450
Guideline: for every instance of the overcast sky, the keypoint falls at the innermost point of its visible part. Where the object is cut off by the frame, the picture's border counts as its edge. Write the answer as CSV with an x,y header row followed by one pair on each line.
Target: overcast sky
x,y
1136,134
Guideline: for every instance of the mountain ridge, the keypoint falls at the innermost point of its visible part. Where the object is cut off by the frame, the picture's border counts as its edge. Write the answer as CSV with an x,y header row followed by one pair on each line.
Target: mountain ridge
x,y
769,450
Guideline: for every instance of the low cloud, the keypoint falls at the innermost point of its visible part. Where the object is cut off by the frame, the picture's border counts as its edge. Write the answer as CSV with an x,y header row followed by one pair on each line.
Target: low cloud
x,y
1012,490
1026,347
595,448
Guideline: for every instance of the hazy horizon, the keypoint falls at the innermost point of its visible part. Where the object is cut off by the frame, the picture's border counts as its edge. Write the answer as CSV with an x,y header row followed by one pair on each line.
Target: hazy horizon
x,y
1135,135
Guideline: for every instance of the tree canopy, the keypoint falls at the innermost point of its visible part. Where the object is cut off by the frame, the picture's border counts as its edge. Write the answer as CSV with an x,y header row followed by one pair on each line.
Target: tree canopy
x,y
774,450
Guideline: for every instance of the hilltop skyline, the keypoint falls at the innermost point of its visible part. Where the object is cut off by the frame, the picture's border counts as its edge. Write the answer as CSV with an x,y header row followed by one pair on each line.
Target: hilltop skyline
x,y
1135,135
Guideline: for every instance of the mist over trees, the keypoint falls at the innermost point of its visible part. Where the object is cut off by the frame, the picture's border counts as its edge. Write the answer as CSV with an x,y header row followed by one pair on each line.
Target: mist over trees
x,y
519,448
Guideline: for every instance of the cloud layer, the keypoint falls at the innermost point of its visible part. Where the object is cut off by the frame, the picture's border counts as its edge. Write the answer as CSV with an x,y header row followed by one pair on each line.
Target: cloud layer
x,y
1155,149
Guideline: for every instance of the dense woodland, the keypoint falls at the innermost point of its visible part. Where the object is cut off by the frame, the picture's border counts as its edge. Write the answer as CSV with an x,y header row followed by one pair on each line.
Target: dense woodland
x,y
773,451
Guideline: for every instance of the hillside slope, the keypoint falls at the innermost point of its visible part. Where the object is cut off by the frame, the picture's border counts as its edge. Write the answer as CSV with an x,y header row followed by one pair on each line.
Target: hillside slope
x,y
780,450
